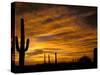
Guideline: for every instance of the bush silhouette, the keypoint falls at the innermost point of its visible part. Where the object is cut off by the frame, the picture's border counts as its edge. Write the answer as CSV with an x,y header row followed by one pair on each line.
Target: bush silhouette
x,y
85,60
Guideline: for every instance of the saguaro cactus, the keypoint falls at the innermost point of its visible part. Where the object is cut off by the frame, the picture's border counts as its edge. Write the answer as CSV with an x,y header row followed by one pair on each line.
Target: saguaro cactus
x,y
44,58
22,48
95,56
49,59
55,58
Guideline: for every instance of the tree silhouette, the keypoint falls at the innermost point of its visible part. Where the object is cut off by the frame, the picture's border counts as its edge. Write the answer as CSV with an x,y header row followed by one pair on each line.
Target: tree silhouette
x,y
22,49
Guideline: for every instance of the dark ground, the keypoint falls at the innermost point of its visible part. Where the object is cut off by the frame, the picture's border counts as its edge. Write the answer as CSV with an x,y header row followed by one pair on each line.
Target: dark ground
x,y
53,67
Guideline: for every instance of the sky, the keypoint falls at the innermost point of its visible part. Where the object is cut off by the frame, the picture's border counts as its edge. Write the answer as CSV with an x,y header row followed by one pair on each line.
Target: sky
x,y
70,31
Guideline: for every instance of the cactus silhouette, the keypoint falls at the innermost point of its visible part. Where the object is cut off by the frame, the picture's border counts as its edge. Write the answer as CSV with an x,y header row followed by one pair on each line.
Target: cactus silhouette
x,y
48,59
95,56
22,48
55,58
44,58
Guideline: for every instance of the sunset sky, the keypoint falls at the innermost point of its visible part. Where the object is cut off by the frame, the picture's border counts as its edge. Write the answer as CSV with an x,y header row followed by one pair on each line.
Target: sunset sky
x,y
70,31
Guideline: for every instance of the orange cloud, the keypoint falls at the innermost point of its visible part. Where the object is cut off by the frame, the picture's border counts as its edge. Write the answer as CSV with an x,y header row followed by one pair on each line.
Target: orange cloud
x,y
57,27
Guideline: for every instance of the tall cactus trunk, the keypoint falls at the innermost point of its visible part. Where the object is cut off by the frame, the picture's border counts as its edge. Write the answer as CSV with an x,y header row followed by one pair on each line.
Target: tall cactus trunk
x,y
49,59
22,48
55,58
21,58
95,56
22,36
44,58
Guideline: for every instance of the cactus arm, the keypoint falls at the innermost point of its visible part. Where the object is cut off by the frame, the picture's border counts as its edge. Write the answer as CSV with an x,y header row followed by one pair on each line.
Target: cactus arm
x,y
17,46
27,44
